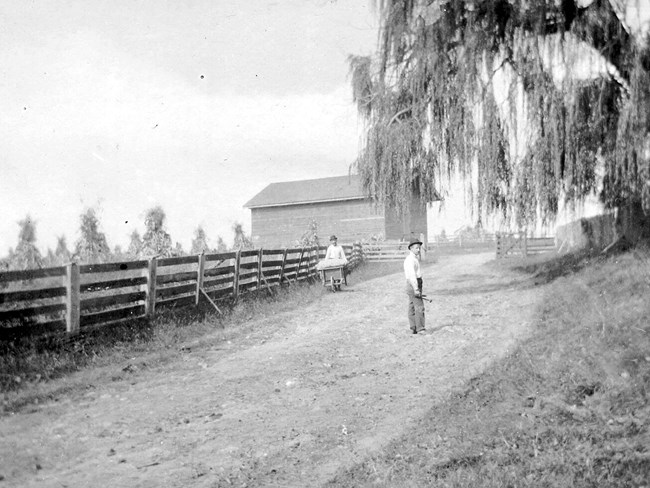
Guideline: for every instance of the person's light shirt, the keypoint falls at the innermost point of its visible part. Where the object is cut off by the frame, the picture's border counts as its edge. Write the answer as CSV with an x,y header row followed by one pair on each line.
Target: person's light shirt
x,y
335,252
412,270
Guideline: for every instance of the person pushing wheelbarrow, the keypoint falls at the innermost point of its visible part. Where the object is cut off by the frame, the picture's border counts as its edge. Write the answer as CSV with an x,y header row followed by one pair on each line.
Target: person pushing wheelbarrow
x,y
333,268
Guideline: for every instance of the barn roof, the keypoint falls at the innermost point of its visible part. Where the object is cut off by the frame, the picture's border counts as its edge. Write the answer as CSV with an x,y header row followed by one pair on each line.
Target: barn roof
x,y
331,189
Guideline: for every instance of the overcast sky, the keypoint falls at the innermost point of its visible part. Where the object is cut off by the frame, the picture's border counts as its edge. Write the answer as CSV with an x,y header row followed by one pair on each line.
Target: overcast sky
x,y
193,105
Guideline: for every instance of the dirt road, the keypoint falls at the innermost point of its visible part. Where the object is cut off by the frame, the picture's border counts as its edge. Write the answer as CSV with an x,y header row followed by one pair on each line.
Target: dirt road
x,y
307,392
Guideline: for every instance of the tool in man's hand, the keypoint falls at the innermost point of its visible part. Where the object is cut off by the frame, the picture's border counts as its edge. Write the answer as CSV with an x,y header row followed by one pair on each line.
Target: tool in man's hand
x,y
424,297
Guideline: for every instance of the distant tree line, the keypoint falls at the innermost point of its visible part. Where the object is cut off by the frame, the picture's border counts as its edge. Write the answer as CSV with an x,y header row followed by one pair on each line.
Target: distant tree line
x,y
92,245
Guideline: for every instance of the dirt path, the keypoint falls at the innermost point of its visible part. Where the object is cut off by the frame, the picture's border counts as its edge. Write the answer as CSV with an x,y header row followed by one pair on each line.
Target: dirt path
x,y
308,392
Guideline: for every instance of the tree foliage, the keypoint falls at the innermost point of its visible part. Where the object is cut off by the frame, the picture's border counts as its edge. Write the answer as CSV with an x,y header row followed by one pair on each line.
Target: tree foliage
x,y
26,255
310,236
135,245
494,90
200,241
92,246
156,241
241,241
221,245
61,253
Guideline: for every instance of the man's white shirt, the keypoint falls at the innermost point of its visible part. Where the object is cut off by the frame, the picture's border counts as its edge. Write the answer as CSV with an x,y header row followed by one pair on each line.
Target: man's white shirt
x,y
412,270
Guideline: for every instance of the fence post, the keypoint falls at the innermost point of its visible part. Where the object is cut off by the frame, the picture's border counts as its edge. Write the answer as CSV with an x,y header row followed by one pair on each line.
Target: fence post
x,y
260,259
199,276
284,260
302,252
526,245
312,266
235,285
73,313
150,303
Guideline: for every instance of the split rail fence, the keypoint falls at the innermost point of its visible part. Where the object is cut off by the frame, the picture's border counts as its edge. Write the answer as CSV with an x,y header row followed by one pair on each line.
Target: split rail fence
x,y
76,297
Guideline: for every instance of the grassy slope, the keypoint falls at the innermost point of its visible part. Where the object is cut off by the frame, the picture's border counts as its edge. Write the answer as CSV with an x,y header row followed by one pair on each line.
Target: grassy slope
x,y
568,408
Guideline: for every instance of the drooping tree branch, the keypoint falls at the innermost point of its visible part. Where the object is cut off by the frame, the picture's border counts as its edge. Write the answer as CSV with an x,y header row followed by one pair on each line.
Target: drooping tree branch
x,y
472,82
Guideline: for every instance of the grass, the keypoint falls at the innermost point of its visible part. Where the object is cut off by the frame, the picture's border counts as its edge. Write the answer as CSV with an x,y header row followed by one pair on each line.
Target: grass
x,y
568,408
29,365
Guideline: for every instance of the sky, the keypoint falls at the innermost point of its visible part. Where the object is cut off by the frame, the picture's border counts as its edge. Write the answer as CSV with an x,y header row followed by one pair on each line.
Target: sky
x,y
193,105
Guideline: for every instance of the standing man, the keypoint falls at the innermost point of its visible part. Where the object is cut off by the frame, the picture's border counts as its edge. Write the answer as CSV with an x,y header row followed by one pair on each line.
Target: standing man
x,y
414,287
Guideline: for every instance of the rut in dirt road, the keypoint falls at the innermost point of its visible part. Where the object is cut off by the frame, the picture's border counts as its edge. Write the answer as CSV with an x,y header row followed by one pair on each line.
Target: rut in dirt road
x,y
308,392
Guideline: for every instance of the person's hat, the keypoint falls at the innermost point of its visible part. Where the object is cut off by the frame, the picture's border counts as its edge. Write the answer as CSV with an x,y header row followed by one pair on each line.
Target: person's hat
x,y
414,241
333,238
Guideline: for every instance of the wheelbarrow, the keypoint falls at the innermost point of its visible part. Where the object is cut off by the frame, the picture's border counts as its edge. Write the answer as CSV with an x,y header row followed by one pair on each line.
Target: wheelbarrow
x,y
334,277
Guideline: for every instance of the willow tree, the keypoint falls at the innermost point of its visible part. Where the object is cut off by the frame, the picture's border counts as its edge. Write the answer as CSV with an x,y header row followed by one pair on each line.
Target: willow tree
x,y
527,100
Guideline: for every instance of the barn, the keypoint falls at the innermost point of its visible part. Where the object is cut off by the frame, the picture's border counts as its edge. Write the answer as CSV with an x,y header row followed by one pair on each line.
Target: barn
x,y
282,213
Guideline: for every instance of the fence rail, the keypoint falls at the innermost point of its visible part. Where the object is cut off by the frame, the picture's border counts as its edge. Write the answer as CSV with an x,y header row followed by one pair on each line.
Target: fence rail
x,y
462,241
520,244
385,251
397,250
76,297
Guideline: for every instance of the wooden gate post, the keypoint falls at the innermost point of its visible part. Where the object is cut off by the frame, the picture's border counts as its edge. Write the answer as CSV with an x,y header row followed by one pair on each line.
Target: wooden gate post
x,y
150,303
73,313
199,276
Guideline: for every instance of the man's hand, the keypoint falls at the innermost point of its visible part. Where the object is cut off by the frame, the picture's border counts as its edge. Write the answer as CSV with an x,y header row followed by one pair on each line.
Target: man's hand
x,y
418,294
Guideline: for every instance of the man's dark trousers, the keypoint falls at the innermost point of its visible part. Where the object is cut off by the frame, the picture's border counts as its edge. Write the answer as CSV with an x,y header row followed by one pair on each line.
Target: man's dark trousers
x,y
415,310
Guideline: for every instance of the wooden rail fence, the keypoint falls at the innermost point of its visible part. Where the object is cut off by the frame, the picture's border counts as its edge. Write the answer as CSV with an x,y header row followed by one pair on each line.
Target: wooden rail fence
x,y
514,244
76,297
385,251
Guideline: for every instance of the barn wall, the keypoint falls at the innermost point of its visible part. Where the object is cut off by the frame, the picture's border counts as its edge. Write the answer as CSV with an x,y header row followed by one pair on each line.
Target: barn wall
x,y
282,226
415,225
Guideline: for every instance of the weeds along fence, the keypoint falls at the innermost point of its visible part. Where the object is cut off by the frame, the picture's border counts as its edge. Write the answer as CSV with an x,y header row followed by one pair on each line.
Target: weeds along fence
x,y
76,297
